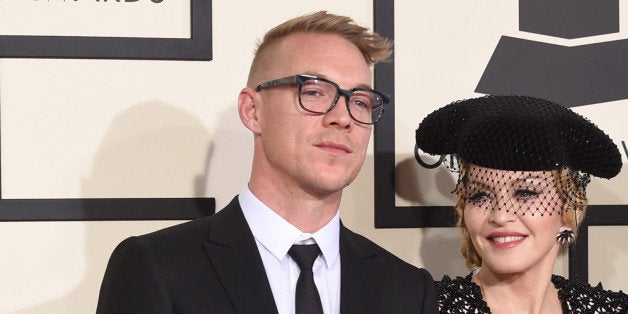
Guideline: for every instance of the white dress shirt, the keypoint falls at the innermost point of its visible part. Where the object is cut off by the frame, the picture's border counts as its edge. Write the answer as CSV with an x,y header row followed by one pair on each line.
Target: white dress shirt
x,y
274,236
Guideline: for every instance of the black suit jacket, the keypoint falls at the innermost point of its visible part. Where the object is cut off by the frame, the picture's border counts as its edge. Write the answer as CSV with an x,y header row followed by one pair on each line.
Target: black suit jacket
x,y
212,265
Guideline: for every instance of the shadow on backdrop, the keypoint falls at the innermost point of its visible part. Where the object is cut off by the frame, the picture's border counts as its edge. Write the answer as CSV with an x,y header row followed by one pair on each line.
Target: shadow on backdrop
x,y
151,150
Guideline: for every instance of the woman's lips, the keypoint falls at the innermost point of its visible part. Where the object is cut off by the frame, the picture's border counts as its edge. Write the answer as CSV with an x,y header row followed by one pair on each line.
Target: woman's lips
x,y
505,240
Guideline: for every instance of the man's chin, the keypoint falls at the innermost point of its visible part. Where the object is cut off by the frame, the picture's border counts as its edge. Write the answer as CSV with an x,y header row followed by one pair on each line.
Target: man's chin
x,y
328,187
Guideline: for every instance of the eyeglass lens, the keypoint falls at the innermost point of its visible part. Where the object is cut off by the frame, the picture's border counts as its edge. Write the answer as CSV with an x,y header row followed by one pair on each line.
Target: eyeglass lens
x,y
319,96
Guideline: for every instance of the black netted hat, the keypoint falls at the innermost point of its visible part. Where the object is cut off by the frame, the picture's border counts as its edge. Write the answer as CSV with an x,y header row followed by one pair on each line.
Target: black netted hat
x,y
519,133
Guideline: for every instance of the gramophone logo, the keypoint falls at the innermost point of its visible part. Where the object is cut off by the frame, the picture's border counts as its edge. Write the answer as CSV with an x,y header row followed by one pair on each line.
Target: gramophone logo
x,y
570,75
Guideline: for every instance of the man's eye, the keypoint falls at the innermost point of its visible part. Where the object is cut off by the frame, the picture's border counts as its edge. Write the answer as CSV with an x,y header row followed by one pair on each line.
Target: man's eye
x,y
362,104
312,93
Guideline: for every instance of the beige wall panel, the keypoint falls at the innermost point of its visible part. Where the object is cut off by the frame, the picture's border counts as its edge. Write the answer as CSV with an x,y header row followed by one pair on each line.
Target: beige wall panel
x,y
167,19
56,267
608,256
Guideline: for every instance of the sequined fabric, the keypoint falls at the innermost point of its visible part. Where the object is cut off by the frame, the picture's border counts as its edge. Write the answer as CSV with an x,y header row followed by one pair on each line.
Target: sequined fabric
x,y
583,298
460,295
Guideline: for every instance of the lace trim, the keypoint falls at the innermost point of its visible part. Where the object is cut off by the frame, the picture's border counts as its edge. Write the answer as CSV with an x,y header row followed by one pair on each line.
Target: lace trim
x,y
461,295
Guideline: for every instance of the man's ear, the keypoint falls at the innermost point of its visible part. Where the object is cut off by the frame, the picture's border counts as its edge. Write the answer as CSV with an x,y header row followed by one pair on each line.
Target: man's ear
x,y
248,102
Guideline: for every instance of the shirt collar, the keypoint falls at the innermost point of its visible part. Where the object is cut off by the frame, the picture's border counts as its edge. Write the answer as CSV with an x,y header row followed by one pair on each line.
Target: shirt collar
x,y
277,235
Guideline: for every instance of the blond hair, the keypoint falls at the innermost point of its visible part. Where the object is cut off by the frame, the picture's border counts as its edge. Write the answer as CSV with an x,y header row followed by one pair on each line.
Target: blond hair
x,y
373,47
571,190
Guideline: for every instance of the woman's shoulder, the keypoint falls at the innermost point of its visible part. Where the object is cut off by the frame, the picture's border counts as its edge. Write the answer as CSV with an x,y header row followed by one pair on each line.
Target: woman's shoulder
x,y
584,298
460,295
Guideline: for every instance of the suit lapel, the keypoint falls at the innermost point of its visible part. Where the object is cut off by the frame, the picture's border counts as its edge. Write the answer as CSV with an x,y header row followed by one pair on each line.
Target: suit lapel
x,y
235,257
354,281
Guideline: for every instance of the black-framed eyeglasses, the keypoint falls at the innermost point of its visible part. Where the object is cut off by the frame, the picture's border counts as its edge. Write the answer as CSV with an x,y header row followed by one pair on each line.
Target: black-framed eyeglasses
x,y
319,95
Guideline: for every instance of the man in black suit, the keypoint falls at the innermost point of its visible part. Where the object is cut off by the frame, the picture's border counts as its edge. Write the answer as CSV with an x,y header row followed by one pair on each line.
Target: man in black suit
x,y
310,107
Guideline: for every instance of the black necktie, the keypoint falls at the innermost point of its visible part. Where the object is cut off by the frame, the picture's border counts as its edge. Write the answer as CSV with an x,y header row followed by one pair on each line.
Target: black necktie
x,y
307,300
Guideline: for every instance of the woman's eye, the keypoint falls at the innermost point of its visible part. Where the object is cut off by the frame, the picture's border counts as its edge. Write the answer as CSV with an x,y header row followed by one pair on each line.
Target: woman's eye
x,y
525,193
478,197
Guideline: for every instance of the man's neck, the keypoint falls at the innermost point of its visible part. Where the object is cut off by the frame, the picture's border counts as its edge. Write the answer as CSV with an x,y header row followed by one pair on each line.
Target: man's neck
x,y
305,211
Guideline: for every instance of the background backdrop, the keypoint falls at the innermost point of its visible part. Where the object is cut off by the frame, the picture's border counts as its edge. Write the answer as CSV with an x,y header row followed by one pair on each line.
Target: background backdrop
x,y
76,128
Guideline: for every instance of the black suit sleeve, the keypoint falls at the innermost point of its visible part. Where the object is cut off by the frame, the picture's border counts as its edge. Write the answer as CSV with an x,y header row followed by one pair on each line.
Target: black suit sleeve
x,y
132,283
429,293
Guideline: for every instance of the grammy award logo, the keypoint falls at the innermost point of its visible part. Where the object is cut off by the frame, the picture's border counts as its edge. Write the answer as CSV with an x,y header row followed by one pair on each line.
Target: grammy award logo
x,y
571,76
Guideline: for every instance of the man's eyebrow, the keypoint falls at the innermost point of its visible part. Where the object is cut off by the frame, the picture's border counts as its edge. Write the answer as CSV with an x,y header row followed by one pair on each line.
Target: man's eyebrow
x,y
367,86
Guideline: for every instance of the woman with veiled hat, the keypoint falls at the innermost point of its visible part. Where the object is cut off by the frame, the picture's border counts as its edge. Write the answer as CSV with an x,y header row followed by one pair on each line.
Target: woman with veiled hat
x,y
523,166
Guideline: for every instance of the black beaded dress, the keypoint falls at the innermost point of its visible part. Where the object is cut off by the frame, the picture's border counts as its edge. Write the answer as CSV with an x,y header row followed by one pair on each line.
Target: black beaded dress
x,y
460,295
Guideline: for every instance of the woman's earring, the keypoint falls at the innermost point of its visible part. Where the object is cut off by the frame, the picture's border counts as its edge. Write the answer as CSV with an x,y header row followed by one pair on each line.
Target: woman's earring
x,y
565,236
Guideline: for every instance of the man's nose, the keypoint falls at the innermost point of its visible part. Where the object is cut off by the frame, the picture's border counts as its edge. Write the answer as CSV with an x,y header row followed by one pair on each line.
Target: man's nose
x,y
339,114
